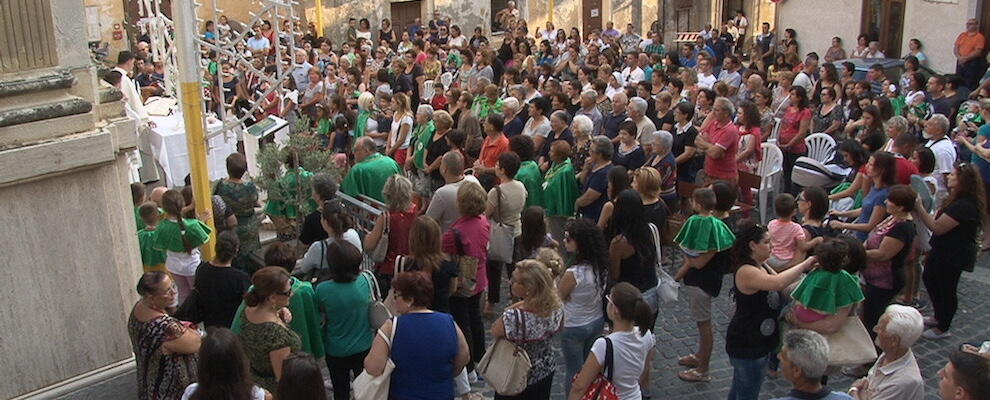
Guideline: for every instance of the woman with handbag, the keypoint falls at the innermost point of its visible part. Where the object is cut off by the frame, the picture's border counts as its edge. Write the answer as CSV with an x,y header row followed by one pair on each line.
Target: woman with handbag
x,y
343,300
425,255
339,226
467,242
531,325
582,288
427,352
631,346
391,229
753,331
505,205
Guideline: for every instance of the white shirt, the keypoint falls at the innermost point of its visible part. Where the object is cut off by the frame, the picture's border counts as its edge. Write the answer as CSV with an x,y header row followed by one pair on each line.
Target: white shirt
x,y
804,80
877,54
301,75
533,129
132,98
629,351
633,76
316,255
394,136
900,379
459,41
585,303
443,205
945,157
706,81
257,393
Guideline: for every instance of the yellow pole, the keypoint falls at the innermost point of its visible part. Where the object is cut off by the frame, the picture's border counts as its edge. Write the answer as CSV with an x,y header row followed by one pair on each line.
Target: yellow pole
x,y
191,99
319,18
551,12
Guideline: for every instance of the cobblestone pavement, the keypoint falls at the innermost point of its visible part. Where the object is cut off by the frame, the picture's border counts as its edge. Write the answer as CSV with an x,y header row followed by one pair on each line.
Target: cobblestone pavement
x,y
677,336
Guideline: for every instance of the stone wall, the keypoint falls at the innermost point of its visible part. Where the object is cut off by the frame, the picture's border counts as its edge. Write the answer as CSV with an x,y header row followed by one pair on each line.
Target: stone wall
x,y
938,38
111,12
806,18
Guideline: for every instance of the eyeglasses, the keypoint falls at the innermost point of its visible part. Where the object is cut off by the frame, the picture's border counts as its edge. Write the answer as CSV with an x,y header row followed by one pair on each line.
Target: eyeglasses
x,y
171,290
287,293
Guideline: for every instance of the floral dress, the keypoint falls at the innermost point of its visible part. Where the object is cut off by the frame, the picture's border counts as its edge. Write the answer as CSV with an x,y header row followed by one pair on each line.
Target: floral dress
x,y
261,339
160,376
241,199
581,153
534,334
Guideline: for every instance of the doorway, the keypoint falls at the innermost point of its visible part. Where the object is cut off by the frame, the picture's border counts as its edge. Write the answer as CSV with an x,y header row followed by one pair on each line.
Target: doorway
x,y
132,14
591,16
883,21
404,14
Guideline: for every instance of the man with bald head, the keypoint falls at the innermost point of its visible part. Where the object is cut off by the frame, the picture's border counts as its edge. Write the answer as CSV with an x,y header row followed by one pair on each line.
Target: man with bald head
x,y
443,205
370,171
749,88
300,74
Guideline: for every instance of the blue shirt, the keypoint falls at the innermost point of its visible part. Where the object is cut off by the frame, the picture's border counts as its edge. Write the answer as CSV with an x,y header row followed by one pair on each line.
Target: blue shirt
x,y
982,164
597,181
421,371
877,197
823,394
514,126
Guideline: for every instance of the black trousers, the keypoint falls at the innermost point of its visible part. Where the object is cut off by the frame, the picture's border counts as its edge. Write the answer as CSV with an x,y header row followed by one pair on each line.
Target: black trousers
x,y
467,314
341,369
942,283
537,391
874,304
495,279
789,159
971,71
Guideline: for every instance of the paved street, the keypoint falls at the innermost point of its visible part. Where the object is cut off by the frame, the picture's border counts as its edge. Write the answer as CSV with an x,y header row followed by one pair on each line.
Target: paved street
x,y
677,336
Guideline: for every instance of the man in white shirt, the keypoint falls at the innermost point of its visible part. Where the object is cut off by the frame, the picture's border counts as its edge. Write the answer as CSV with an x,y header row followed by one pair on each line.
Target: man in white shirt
x,y
707,32
258,44
300,74
945,152
731,75
143,161
706,80
896,375
806,78
443,205
632,74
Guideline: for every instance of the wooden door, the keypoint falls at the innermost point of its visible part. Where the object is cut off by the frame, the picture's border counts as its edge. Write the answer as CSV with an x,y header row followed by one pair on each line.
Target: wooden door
x,y
592,16
404,14
883,21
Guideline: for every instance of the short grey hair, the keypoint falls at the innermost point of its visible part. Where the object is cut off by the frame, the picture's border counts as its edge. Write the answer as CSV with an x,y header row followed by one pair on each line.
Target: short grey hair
x,y
582,124
324,186
590,94
662,139
898,123
425,109
397,192
562,115
639,104
724,103
366,143
905,322
517,88
602,145
809,351
942,121
510,103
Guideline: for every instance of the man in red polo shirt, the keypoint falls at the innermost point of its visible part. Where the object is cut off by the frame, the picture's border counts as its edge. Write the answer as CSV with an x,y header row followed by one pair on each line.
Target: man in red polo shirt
x,y
902,148
720,142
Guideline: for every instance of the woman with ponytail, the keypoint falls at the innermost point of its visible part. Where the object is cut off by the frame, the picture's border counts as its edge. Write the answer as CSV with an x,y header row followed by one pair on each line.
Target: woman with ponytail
x,y
631,340
582,289
180,238
753,332
339,225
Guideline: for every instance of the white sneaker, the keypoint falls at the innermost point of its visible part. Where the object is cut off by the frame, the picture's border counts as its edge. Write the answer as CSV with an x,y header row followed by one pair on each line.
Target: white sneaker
x,y
932,334
472,377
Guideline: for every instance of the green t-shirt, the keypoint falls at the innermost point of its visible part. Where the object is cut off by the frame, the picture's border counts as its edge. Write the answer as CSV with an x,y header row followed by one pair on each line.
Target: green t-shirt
x,y
368,177
346,330
423,135
560,189
532,178
288,186
137,218
324,127
169,235
150,256
361,126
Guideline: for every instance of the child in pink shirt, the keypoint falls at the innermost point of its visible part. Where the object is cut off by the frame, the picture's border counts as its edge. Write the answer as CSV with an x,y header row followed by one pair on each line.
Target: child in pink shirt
x,y
785,234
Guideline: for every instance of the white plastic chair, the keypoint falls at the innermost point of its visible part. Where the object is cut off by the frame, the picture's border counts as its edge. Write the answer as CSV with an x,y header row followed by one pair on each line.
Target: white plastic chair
x,y
775,132
446,79
821,147
428,90
770,169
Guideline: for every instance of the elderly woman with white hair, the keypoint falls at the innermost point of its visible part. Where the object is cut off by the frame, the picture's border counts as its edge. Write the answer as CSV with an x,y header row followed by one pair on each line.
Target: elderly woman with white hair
x,y
637,113
804,360
896,126
896,374
398,220
560,122
581,127
422,136
659,157
514,123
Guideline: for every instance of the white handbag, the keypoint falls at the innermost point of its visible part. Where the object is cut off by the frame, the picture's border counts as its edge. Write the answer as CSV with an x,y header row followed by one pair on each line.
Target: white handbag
x,y
380,252
500,242
851,345
505,366
378,312
367,387
666,285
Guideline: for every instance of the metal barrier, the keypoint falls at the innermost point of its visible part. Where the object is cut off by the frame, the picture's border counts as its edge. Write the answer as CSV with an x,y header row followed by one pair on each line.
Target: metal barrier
x,y
364,215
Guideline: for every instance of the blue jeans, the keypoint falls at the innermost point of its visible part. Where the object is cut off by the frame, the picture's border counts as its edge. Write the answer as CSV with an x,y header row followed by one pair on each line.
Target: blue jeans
x,y
576,343
747,378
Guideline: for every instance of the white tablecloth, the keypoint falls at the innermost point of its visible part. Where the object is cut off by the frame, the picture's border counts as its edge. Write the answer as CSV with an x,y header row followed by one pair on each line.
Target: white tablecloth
x,y
168,141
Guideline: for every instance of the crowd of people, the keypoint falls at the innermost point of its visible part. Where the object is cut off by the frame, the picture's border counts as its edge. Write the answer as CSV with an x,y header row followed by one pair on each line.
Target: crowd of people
x,y
581,165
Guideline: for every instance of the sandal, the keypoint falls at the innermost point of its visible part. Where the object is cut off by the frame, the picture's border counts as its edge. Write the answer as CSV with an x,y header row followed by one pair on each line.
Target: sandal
x,y
689,361
692,375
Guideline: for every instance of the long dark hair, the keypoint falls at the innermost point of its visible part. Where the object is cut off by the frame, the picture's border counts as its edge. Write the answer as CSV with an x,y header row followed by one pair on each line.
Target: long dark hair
x,y
334,214
591,247
534,229
301,379
741,252
172,203
222,371
629,220
632,307
969,186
